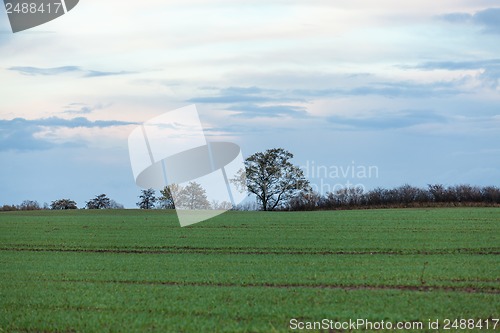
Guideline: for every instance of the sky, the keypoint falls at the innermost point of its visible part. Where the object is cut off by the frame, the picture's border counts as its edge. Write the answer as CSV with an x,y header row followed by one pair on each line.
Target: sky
x,y
409,90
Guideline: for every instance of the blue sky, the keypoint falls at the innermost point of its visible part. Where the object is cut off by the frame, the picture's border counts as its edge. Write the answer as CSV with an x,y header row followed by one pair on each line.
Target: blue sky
x,y
409,87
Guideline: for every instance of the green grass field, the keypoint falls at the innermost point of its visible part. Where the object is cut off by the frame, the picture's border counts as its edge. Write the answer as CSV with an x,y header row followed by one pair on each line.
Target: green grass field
x,y
138,271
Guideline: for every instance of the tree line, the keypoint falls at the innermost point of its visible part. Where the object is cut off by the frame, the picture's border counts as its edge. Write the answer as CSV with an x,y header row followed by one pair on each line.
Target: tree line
x,y
435,195
192,196
278,184
100,201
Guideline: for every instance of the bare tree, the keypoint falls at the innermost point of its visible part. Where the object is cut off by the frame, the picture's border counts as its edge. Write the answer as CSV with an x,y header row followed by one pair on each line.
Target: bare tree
x,y
168,194
437,192
29,205
272,177
8,208
305,200
224,205
193,196
115,205
99,202
63,204
491,194
147,199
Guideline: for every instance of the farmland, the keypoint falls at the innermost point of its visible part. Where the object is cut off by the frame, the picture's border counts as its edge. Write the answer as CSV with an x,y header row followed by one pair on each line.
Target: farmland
x,y
138,271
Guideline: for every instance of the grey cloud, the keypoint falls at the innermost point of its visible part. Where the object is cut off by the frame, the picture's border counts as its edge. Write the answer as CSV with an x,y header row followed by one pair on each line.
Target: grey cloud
x,y
76,122
19,133
488,19
251,102
255,101
491,77
274,111
388,89
458,65
491,68
92,73
35,71
456,17
228,99
403,119
247,90
27,70
245,95
82,108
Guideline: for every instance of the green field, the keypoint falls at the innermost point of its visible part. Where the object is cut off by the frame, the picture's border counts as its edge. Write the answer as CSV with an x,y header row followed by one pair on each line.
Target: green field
x,y
138,271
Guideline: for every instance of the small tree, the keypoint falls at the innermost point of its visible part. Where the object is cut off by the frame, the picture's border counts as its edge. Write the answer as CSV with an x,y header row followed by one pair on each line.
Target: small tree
x,y
272,177
305,200
147,199
63,204
115,205
167,196
224,205
193,196
29,205
8,208
99,202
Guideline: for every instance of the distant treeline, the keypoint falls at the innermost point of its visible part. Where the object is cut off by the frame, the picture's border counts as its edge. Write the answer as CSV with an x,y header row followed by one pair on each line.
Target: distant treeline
x,y
347,198
399,197
99,202
25,205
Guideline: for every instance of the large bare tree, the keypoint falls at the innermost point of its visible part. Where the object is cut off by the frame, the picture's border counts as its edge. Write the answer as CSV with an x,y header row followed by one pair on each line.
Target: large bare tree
x,y
272,178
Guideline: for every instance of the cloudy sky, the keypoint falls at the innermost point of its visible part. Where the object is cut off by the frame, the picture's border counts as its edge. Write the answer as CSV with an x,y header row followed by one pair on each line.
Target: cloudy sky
x,y
409,87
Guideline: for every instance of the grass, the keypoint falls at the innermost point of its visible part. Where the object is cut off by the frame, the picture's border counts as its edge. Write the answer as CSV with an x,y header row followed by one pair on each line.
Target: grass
x,y
138,271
